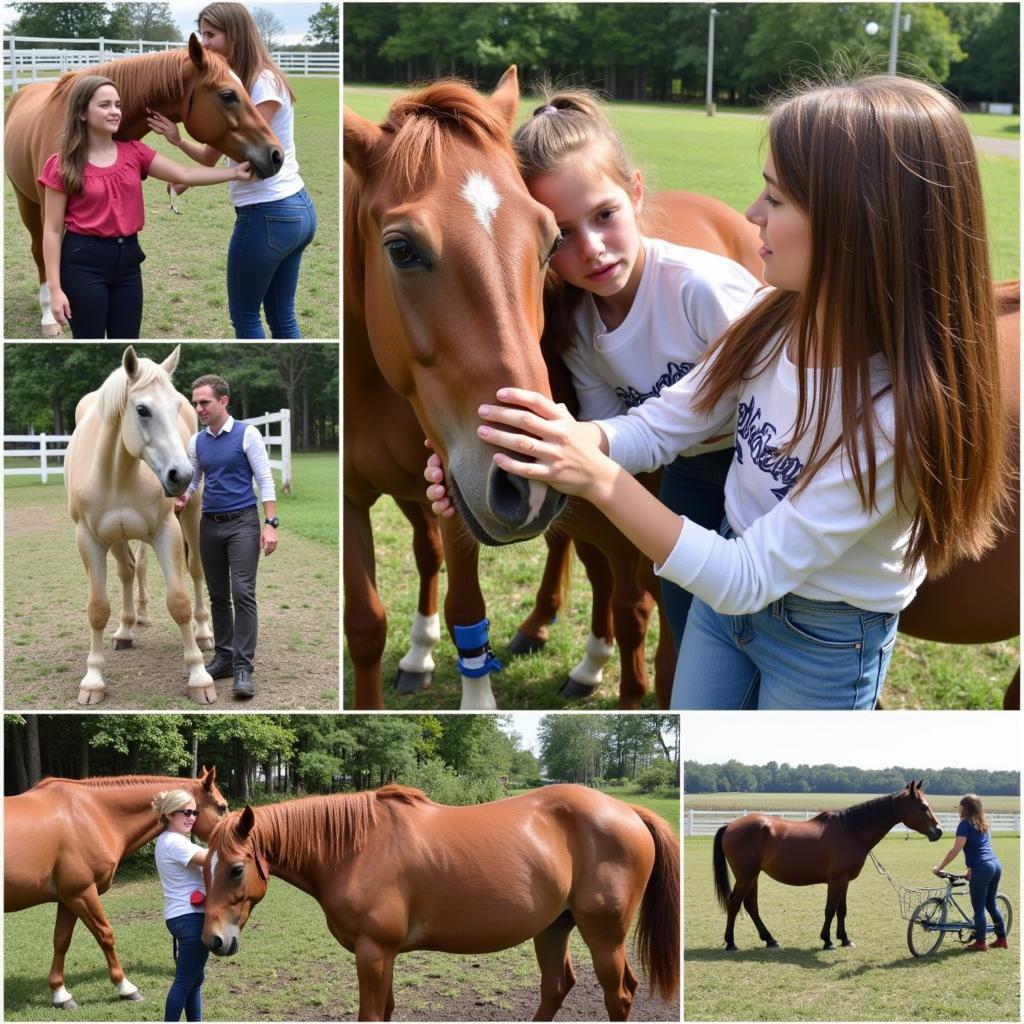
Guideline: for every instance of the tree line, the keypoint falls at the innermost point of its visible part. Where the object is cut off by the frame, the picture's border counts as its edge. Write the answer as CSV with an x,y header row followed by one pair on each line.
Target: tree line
x,y
454,758
734,777
658,51
43,383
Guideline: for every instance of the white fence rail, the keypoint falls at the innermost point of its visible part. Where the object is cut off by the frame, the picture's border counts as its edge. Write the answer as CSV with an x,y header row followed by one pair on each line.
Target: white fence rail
x,y
29,64
46,451
707,823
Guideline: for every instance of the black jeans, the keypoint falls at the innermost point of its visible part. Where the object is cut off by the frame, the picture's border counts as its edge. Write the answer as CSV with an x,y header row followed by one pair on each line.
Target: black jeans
x,y
230,552
102,278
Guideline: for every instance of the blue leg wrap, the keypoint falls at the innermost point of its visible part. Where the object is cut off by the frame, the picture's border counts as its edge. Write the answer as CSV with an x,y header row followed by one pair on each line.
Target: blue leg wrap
x,y
475,657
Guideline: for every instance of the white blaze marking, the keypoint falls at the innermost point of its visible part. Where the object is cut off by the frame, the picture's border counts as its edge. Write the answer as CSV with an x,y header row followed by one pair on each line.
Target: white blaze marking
x,y
480,193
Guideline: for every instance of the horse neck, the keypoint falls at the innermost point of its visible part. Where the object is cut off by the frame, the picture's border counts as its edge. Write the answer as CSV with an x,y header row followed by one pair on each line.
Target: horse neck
x,y
117,464
152,93
872,834
130,812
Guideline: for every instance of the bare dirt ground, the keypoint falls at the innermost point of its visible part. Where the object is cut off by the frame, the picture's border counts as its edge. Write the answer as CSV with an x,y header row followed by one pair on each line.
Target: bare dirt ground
x,y
46,632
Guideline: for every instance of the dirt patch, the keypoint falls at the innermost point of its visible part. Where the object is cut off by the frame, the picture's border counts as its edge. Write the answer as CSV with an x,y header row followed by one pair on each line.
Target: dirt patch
x,y
46,637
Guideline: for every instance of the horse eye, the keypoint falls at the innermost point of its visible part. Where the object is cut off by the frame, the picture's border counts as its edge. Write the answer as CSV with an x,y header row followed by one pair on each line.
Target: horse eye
x,y
237,870
402,254
229,96
554,248
142,411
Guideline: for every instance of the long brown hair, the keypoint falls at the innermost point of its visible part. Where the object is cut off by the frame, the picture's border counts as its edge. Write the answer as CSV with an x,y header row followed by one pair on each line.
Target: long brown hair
x,y
971,809
568,125
74,139
885,170
247,53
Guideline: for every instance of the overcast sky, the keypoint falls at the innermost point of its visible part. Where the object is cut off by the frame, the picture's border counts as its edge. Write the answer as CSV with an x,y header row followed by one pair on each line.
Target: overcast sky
x,y
294,17
874,739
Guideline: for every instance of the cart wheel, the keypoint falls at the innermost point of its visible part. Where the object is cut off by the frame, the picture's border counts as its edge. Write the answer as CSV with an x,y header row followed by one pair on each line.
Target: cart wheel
x,y
1006,909
924,933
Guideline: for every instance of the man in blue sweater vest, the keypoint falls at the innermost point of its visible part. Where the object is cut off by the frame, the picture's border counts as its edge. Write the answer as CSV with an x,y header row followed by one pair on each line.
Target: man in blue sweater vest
x,y
228,455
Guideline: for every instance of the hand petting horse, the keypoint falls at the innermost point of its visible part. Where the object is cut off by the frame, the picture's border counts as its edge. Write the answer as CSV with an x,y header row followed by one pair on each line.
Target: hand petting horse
x,y
395,871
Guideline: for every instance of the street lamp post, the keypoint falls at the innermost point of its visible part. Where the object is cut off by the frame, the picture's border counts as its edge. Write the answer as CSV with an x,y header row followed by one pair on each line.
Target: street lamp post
x,y
709,95
894,38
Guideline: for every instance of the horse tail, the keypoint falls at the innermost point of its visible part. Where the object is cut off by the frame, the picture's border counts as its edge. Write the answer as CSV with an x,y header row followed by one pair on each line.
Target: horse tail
x,y
722,887
657,930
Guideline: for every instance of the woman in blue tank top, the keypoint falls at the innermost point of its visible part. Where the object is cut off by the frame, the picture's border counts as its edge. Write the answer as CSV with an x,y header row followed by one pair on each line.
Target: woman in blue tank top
x,y
983,869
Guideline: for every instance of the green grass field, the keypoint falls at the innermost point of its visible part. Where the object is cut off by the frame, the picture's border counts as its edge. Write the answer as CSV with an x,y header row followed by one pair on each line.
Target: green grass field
x,y
879,979
825,801
184,272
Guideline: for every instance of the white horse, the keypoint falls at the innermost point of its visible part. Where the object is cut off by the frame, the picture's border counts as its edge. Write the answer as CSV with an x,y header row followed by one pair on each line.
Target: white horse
x,y
125,464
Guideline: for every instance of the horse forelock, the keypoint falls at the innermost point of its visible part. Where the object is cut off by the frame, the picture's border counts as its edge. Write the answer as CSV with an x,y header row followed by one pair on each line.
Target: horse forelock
x,y
425,123
113,393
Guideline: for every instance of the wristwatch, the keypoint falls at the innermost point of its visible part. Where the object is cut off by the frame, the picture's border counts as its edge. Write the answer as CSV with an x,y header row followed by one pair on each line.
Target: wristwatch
x,y
272,521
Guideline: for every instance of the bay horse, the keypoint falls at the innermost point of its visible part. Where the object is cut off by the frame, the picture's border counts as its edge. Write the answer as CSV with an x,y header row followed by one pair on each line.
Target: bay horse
x,y
124,464
395,871
830,848
64,840
193,86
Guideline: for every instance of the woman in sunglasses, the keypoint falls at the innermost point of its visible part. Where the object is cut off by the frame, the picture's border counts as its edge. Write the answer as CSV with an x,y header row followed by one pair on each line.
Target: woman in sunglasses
x,y
179,862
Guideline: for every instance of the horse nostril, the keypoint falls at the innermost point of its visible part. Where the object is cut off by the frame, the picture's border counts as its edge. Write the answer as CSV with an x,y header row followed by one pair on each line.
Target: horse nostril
x,y
216,942
172,475
276,157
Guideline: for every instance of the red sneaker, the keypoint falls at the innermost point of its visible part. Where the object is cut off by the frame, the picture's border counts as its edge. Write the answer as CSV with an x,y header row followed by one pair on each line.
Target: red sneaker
x,y
977,947
1000,944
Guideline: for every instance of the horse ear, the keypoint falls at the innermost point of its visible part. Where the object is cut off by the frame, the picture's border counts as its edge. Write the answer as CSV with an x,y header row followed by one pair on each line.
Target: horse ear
x,y
130,362
208,777
506,95
245,823
196,52
361,138
171,362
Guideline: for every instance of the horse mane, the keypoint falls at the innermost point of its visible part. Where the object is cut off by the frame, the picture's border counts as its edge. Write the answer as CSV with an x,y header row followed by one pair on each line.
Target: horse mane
x,y
113,393
146,80
425,122
295,832
112,781
862,815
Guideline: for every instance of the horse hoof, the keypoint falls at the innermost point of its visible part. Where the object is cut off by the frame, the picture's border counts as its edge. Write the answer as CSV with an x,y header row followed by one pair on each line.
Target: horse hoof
x,y
573,690
828,945
849,945
772,944
121,645
68,1004
203,694
133,997
89,696
412,682
523,644
730,946
53,331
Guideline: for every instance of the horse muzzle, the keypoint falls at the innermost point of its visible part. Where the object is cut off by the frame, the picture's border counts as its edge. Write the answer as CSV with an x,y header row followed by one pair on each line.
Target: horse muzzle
x,y
226,945
266,161
516,509
175,482
934,834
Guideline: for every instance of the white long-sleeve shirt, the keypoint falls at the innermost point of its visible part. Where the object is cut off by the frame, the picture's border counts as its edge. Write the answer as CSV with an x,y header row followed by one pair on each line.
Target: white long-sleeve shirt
x,y
821,544
255,452
685,300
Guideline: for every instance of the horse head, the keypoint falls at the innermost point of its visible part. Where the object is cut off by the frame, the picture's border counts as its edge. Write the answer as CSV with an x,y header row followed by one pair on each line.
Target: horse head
x,y
918,815
217,110
141,394
210,803
450,253
236,875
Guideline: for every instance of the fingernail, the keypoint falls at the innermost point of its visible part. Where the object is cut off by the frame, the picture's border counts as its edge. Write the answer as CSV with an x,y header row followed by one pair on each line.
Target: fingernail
x,y
483,431
502,393
484,410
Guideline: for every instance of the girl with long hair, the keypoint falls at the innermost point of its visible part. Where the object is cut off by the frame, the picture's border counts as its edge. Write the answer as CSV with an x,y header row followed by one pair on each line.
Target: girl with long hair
x,y
274,217
863,389
93,211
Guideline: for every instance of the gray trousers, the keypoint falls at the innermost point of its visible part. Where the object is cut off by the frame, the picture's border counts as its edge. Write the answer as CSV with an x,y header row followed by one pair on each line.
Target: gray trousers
x,y
230,551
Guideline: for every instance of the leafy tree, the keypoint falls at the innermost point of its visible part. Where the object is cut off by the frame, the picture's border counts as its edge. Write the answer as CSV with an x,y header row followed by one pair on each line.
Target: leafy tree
x,y
63,21
152,21
268,24
150,743
324,25
659,775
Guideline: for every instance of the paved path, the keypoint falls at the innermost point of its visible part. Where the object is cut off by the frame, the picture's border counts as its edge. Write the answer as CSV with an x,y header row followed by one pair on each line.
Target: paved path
x,y
1001,147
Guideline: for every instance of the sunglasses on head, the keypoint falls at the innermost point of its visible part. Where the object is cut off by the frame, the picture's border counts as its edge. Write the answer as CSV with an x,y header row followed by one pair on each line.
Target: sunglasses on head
x,y
188,814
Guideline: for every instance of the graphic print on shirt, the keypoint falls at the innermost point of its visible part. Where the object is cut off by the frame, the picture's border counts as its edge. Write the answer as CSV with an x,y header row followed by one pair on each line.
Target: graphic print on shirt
x,y
785,469
633,398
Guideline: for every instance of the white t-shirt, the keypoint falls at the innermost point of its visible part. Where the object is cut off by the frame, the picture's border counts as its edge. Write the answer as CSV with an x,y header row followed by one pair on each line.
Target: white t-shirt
x,y
685,300
821,544
287,181
178,877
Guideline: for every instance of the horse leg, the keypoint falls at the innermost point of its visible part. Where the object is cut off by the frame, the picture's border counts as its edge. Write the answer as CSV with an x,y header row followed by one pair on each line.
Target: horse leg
x,y
556,974
750,904
533,634
65,925
88,908
94,556
375,966
32,217
464,605
142,585
126,569
605,936
841,919
631,610
736,898
416,669
831,905
586,676
366,623
189,522
169,546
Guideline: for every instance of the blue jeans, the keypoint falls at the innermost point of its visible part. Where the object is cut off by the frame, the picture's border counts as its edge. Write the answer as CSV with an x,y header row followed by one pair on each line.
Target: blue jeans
x,y
693,487
263,264
185,993
984,886
797,653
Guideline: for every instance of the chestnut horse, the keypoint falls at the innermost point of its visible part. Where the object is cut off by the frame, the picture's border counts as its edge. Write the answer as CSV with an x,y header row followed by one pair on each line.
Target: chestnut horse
x,y
446,253
395,871
194,86
64,840
830,848
125,462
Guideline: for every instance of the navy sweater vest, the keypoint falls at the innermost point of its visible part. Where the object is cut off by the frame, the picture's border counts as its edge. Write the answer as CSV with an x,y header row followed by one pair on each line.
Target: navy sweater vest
x,y
226,470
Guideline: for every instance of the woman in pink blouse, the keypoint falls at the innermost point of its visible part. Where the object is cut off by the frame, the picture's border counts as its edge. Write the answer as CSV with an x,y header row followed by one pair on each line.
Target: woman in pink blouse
x,y
93,212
